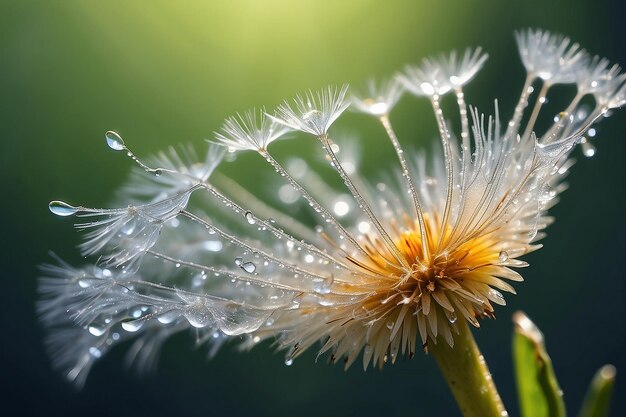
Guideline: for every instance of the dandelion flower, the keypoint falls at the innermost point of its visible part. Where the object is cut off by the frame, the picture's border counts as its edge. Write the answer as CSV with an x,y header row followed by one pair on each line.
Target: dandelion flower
x,y
391,267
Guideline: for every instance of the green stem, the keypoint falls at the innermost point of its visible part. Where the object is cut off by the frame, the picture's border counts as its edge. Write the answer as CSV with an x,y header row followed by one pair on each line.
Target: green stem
x,y
466,372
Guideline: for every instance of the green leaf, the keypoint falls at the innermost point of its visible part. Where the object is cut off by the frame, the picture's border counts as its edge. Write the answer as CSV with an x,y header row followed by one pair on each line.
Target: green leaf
x,y
598,398
538,390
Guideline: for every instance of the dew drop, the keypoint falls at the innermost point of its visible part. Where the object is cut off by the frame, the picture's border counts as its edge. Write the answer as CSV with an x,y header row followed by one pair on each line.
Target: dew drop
x,y
496,296
132,325
390,324
61,208
503,256
321,287
249,267
84,283
547,193
289,361
168,317
198,319
129,227
158,172
238,261
250,217
452,317
114,141
96,330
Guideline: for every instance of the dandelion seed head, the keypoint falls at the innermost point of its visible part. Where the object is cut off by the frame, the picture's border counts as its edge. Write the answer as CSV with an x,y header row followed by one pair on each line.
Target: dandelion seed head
x,y
313,113
250,131
391,267
551,57
379,98
438,76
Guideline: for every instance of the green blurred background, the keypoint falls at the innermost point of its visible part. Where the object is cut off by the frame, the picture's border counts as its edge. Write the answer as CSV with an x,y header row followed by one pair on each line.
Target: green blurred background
x,y
165,72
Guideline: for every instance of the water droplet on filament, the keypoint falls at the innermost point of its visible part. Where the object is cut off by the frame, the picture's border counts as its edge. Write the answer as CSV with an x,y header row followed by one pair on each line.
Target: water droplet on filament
x,y
61,208
132,325
96,330
250,217
114,141
249,267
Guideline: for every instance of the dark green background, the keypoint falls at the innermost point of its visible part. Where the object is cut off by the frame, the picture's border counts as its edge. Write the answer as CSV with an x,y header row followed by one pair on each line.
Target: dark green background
x,y
165,72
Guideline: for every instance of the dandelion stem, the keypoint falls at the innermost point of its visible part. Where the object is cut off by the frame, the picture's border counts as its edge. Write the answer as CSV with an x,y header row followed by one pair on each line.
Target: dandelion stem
x,y
460,101
407,176
447,153
521,106
533,117
467,375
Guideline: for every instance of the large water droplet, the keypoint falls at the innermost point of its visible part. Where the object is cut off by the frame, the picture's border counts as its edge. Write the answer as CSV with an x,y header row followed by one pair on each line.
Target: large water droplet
x,y
198,318
289,361
249,267
85,283
96,330
129,227
503,256
61,208
250,217
452,317
114,141
132,325
168,317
